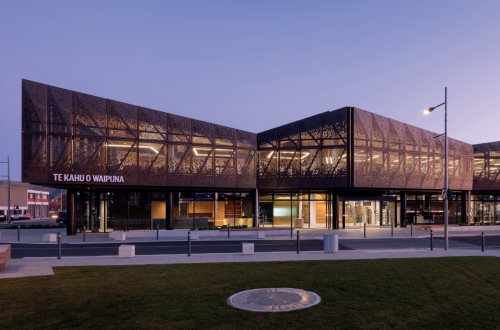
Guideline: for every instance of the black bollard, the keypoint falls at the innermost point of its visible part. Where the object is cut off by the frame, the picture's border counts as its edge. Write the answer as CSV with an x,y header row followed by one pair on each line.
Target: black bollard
x,y
18,232
392,230
157,231
189,243
364,235
59,245
298,244
432,243
228,230
411,228
84,230
482,247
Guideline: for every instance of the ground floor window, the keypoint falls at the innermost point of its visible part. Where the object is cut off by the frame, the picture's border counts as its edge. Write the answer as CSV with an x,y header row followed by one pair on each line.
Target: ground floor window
x,y
485,208
120,210
428,208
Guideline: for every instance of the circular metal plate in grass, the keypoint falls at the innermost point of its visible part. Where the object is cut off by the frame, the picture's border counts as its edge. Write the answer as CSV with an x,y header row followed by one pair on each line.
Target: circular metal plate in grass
x,y
274,300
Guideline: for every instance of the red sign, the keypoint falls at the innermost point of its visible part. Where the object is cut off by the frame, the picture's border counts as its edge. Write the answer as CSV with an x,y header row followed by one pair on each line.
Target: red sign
x,y
443,193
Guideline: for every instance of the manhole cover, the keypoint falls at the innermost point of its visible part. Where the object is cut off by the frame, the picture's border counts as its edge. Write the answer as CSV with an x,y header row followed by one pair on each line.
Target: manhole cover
x,y
273,300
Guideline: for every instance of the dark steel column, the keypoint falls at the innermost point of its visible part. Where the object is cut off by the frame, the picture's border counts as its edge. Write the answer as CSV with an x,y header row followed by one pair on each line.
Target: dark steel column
x,y
256,209
343,214
71,212
464,207
335,211
170,211
402,209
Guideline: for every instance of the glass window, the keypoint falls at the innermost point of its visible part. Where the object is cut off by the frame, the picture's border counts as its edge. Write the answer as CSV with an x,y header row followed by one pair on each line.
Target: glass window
x,y
300,196
494,154
224,209
139,215
308,143
333,142
244,211
281,196
159,196
265,196
203,210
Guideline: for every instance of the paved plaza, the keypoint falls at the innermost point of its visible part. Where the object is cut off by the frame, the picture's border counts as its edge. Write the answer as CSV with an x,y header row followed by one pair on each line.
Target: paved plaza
x,y
34,236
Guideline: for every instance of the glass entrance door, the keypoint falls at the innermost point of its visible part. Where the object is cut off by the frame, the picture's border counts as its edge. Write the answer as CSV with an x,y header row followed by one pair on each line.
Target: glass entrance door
x,y
388,213
373,213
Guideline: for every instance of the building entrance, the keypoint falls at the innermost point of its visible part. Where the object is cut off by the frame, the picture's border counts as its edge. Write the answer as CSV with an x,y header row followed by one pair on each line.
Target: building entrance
x,y
372,212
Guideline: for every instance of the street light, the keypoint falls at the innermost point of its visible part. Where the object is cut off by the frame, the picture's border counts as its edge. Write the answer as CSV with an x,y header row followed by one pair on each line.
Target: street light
x,y
427,111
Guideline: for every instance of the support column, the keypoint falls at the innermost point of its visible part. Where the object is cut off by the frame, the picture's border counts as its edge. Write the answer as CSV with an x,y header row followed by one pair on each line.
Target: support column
x,y
464,207
335,211
402,205
169,223
256,211
343,215
71,212
469,213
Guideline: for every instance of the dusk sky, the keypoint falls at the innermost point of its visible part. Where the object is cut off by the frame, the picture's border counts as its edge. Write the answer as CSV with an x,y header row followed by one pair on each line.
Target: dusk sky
x,y
255,65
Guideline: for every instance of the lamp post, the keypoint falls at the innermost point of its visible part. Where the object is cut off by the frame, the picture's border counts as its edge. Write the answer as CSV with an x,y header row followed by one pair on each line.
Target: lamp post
x,y
427,111
8,190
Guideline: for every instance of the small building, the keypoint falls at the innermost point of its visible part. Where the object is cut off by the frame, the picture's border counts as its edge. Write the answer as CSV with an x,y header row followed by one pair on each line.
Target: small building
x,y
38,204
18,202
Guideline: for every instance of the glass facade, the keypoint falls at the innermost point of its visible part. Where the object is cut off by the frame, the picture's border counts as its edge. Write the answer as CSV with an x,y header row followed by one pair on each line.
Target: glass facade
x,y
115,210
300,210
485,208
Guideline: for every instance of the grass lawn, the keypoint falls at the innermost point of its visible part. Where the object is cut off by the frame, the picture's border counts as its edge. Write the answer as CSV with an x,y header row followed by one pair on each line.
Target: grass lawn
x,y
437,293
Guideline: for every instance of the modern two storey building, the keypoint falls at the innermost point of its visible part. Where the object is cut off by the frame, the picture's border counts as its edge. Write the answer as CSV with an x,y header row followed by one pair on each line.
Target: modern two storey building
x,y
127,167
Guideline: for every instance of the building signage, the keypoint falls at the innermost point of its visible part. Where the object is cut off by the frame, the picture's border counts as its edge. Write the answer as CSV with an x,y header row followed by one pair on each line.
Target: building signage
x,y
88,178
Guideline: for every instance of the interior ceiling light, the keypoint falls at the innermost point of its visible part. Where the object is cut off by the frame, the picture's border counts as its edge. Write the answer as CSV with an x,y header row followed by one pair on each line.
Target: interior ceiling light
x,y
206,155
128,146
288,152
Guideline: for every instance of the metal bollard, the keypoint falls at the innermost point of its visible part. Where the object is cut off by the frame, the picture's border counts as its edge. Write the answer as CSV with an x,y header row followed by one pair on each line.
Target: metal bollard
x,y
327,245
189,243
335,241
291,231
157,231
298,244
411,229
392,230
59,245
228,231
365,231
432,243
18,232
84,230
482,247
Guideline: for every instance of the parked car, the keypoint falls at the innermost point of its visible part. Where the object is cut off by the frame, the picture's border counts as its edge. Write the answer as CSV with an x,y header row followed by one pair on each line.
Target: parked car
x,y
61,217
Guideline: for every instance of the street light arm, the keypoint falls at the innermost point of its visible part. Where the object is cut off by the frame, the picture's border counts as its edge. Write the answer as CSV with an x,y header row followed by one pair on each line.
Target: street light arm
x,y
437,106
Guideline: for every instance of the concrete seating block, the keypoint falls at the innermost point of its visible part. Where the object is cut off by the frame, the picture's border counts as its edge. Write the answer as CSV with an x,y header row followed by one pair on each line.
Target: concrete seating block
x,y
194,234
120,236
247,248
4,256
126,251
261,234
112,235
49,237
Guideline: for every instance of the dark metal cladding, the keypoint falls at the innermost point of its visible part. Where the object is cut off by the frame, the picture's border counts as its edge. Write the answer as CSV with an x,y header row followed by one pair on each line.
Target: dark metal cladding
x,y
391,154
82,136
310,153
486,166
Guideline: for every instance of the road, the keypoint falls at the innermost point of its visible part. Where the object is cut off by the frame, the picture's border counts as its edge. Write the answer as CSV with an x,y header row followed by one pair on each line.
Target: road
x,y
22,250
